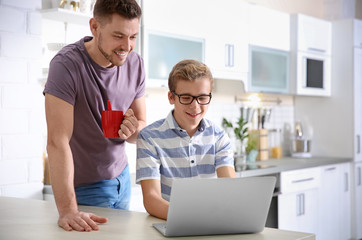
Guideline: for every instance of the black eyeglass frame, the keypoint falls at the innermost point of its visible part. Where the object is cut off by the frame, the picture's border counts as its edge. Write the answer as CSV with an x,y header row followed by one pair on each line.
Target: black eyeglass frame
x,y
193,98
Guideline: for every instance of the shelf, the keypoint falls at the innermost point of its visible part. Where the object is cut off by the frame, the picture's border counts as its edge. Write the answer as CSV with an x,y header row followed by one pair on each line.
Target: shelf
x,y
68,16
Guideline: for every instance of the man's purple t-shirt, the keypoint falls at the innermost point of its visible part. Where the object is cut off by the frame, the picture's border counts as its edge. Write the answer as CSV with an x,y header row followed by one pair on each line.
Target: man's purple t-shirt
x,y
76,78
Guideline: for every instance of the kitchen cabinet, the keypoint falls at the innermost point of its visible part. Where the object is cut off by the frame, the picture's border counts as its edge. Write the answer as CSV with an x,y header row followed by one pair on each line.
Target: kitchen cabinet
x,y
269,46
335,207
269,28
268,70
163,50
341,137
357,210
226,38
311,48
225,50
298,203
311,34
346,198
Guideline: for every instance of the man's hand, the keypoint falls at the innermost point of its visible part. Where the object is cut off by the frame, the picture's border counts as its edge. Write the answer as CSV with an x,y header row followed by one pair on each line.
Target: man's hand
x,y
129,125
80,221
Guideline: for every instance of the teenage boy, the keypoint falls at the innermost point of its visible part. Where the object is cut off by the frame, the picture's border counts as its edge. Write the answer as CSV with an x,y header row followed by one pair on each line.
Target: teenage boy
x,y
184,144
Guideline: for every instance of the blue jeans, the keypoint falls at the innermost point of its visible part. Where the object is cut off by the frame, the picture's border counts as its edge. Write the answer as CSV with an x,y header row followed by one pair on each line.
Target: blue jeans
x,y
114,193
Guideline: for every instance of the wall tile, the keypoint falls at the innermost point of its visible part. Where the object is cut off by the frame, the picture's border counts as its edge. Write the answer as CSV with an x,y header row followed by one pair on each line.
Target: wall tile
x,y
34,23
23,4
27,96
35,170
35,72
20,46
29,190
13,70
12,20
12,121
13,172
37,121
22,146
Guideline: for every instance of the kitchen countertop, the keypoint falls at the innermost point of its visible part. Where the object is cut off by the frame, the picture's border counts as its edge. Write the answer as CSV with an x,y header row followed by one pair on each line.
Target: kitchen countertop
x,y
275,166
36,219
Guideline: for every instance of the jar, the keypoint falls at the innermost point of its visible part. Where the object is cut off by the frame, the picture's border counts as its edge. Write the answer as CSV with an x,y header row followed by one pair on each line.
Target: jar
x,y
275,143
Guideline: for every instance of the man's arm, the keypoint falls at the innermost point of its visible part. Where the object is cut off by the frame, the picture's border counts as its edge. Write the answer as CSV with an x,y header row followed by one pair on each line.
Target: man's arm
x,y
134,120
152,198
226,171
59,116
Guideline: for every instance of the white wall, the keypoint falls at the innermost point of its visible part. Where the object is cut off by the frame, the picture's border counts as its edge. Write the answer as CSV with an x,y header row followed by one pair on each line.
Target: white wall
x,y
22,118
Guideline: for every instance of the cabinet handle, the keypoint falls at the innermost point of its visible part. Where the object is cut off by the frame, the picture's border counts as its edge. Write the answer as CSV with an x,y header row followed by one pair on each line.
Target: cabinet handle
x,y
317,50
303,180
330,169
346,182
358,144
359,180
300,204
229,55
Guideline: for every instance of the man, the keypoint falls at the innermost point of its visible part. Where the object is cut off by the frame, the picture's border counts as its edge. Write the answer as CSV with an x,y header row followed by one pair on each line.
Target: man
x,y
85,167
185,144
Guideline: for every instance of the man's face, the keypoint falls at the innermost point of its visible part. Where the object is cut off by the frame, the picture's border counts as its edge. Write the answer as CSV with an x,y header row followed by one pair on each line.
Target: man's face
x,y
116,39
189,116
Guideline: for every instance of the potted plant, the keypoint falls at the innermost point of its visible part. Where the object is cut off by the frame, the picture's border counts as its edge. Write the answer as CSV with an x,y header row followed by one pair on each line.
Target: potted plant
x,y
251,148
240,131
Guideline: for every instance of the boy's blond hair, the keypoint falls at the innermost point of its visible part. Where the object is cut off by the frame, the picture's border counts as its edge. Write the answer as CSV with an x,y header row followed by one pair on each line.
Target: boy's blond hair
x,y
189,70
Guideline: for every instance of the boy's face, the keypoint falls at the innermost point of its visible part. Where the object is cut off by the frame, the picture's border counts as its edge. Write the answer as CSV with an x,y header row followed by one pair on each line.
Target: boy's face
x,y
189,116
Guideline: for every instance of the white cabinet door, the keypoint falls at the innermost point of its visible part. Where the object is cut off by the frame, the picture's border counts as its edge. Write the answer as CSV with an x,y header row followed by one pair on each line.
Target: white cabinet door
x,y
334,196
226,38
298,203
269,28
313,34
357,225
345,208
357,33
298,211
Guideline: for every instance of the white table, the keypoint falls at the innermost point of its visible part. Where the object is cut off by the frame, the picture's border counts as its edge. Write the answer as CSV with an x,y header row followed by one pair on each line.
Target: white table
x,y
36,219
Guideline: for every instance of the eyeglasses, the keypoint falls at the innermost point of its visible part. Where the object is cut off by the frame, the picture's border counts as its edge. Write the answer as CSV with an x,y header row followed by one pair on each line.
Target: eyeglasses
x,y
187,99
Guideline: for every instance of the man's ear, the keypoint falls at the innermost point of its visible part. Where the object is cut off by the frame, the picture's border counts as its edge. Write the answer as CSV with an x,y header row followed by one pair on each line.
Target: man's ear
x,y
94,26
171,98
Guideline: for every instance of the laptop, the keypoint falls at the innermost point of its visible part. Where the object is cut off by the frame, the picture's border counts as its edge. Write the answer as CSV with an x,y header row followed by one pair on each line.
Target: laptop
x,y
218,206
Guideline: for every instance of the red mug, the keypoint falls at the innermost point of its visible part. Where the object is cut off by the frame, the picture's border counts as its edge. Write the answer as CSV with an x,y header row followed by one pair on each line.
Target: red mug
x,y
111,122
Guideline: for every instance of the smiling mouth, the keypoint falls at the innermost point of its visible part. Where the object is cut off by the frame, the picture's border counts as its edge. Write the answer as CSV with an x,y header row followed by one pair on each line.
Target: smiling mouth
x,y
121,54
193,115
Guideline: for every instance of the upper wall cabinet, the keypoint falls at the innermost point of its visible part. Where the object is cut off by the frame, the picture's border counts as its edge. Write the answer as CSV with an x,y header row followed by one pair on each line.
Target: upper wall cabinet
x,y
311,34
269,28
226,38
311,47
223,27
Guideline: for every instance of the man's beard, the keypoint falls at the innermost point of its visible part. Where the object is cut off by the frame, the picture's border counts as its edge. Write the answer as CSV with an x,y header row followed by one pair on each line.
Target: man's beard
x,y
107,56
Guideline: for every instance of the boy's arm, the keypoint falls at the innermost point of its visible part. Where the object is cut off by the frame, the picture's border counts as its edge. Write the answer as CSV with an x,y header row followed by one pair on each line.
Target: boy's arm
x,y
226,171
152,198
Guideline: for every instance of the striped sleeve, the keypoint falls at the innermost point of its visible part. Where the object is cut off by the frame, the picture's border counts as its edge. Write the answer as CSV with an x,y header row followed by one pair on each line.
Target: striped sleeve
x,y
224,152
148,162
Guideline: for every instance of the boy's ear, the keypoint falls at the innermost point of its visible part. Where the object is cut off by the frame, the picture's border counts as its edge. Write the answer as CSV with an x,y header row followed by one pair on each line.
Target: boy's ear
x,y
171,98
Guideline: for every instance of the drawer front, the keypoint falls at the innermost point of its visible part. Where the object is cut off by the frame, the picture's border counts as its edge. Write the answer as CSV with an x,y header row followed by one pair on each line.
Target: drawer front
x,y
299,180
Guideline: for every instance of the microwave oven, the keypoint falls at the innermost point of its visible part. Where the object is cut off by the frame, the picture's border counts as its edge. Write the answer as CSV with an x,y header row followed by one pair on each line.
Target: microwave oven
x,y
313,74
